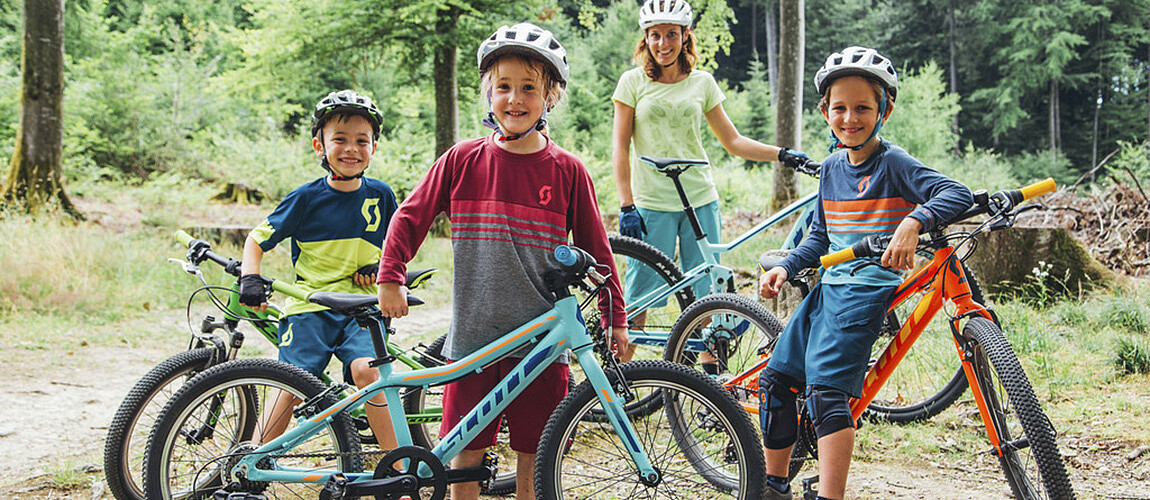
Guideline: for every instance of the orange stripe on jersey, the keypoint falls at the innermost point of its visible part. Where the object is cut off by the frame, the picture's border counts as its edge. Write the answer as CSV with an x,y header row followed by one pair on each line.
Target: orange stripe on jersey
x,y
867,205
858,216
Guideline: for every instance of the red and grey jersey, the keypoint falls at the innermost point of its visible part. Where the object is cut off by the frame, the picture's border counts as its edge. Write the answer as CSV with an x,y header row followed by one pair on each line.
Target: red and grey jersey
x,y
508,212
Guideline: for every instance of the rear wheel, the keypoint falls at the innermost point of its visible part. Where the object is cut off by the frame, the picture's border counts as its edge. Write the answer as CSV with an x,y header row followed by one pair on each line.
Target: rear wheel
x,y
1029,455
700,441
643,267
128,433
220,416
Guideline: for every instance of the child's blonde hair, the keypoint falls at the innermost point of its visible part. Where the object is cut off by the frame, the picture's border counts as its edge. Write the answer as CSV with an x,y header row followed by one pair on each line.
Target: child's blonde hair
x,y
554,92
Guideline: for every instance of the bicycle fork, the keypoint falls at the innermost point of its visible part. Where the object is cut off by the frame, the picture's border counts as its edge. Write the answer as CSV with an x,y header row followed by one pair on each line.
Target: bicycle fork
x,y
613,407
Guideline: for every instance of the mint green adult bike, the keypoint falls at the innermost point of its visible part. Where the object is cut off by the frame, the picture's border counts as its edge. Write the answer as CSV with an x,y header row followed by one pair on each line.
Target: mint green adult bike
x,y
699,443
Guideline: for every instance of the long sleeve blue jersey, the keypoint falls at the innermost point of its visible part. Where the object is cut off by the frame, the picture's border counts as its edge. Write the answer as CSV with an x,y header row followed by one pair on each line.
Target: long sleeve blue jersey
x,y
873,198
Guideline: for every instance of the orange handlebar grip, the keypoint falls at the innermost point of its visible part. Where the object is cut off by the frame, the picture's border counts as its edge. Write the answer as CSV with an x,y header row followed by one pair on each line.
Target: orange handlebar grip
x,y
1037,189
838,257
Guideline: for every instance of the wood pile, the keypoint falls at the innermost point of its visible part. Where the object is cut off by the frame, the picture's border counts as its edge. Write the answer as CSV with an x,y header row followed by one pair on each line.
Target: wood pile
x,y
1113,225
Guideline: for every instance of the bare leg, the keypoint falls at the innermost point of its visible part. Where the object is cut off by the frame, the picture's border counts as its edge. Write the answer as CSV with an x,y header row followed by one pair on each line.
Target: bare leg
x,y
377,415
778,461
637,323
276,416
525,476
467,459
834,462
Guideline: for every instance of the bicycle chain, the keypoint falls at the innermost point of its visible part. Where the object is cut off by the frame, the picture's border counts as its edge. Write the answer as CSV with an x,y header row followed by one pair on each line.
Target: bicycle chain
x,y
332,454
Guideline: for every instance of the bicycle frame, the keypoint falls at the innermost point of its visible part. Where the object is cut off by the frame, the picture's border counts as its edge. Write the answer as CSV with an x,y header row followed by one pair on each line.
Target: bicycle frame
x,y
721,277
554,331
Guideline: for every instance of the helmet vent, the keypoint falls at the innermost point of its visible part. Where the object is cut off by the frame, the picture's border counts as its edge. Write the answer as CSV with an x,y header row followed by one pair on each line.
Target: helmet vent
x,y
856,58
531,37
510,35
555,45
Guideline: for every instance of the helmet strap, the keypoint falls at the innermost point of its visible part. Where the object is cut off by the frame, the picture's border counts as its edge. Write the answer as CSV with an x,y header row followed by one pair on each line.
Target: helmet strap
x,y
492,123
331,172
836,143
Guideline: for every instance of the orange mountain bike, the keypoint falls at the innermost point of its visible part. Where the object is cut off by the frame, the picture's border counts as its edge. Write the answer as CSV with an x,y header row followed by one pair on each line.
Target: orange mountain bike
x,y
1021,436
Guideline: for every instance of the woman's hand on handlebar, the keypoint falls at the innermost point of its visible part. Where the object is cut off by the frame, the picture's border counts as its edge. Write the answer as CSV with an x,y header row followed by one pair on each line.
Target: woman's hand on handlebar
x,y
772,281
392,300
899,253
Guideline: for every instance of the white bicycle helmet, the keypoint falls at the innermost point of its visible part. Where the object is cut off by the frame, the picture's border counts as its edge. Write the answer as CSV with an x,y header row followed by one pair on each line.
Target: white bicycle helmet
x,y
529,40
859,61
665,12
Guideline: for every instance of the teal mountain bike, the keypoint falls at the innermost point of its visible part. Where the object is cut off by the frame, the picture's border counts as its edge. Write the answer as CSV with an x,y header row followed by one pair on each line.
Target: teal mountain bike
x,y
218,340
206,441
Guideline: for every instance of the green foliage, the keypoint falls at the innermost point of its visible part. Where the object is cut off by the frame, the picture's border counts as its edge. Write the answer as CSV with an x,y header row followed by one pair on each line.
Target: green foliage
x,y
1134,158
1132,355
1028,167
922,117
1126,316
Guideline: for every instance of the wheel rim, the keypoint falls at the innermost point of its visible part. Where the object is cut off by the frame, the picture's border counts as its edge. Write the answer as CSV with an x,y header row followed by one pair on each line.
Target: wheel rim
x,y
712,468
193,469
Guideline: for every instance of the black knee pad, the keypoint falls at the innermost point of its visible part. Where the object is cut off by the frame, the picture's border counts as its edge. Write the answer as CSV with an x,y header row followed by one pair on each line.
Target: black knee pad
x,y
778,414
830,410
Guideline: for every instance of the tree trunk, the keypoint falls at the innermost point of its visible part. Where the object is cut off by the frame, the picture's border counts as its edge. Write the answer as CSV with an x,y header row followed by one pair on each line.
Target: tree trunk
x,y
789,121
1054,138
954,79
446,98
771,24
34,174
1094,140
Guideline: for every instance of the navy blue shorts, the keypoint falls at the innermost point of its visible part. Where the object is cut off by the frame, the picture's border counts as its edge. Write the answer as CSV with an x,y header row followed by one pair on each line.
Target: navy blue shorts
x,y
829,337
308,340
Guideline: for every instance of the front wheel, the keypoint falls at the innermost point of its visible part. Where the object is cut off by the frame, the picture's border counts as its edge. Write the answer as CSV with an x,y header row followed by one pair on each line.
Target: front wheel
x,y
1027,452
700,441
735,331
223,413
128,433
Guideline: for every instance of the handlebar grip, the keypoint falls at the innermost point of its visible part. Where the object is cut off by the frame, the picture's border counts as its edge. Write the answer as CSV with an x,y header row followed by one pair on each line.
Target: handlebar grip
x,y
183,237
838,257
573,257
1038,188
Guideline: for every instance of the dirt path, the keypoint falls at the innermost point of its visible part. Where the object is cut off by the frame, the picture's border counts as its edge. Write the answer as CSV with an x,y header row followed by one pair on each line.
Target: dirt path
x,y
59,405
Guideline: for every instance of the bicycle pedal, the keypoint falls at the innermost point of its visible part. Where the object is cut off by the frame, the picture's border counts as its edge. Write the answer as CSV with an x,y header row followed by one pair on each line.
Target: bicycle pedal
x,y
334,488
810,487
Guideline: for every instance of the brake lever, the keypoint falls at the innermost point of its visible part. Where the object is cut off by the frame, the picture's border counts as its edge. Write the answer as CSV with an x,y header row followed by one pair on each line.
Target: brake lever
x,y
1007,220
187,266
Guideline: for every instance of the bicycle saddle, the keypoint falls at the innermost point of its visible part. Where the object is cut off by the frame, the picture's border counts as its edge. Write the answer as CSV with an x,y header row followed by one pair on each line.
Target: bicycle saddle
x,y
662,164
340,301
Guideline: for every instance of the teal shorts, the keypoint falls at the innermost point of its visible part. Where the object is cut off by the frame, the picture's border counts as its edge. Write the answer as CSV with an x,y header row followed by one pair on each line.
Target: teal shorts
x,y
308,340
828,340
665,231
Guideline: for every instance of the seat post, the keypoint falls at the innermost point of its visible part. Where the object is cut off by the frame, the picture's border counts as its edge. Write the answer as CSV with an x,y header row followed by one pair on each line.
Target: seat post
x,y
687,208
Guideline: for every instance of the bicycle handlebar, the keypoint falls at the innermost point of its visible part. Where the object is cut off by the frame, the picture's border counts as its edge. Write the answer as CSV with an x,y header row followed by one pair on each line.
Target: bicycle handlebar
x,y
997,204
200,250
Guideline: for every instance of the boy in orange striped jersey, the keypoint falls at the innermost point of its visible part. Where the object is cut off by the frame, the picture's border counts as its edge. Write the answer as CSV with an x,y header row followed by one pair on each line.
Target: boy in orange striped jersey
x,y
873,187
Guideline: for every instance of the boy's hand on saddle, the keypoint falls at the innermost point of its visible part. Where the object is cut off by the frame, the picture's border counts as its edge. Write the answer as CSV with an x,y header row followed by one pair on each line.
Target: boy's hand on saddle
x,y
254,292
621,340
392,300
772,281
899,253
365,276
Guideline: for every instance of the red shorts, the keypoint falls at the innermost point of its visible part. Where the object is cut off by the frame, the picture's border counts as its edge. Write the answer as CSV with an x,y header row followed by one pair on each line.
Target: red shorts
x,y
526,415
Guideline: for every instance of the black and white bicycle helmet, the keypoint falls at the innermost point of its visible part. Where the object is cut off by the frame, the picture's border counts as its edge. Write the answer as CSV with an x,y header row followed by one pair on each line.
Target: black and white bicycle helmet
x,y
859,61
350,102
528,40
665,12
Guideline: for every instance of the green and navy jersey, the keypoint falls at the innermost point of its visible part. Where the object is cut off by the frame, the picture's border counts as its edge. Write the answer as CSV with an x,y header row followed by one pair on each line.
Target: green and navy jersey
x,y
873,198
333,233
